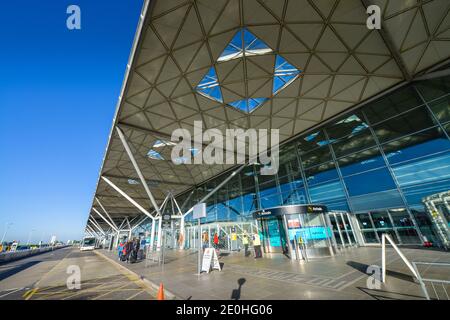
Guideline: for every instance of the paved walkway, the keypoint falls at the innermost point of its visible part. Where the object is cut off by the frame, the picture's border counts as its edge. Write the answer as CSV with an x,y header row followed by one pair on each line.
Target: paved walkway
x,y
340,277
44,277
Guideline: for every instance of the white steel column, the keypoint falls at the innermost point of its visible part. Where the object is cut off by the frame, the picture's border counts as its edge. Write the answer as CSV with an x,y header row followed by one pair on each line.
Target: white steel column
x,y
158,245
107,214
182,231
152,234
137,205
101,216
97,226
138,170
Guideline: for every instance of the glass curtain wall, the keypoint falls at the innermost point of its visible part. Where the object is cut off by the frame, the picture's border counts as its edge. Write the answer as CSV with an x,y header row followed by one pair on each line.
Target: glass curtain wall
x,y
378,162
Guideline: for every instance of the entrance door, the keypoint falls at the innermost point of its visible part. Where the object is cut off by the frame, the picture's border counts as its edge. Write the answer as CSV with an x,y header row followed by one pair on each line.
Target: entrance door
x,y
273,236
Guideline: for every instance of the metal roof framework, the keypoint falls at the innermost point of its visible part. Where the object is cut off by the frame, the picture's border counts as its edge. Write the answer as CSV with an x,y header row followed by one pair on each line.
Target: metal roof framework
x,y
342,63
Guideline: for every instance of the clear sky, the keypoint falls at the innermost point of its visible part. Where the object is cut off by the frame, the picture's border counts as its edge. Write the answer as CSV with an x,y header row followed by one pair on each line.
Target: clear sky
x,y
58,93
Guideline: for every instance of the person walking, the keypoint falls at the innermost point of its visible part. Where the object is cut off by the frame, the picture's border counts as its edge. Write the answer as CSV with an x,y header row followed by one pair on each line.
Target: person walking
x,y
128,248
120,249
205,240
134,251
216,242
245,243
257,245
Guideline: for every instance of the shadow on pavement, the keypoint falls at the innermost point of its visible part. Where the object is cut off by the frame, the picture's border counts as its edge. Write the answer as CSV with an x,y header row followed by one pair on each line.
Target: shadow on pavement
x,y
16,269
236,293
362,267
387,295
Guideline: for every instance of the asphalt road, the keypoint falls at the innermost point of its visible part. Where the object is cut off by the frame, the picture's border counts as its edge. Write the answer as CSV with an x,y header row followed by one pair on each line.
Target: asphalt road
x,y
45,277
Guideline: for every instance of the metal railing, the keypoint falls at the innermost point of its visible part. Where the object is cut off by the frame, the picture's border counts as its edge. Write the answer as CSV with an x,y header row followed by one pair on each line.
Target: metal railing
x,y
385,237
435,284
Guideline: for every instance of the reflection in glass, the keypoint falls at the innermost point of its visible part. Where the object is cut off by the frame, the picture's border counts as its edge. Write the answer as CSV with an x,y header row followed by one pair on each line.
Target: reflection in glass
x,y
381,219
392,105
407,123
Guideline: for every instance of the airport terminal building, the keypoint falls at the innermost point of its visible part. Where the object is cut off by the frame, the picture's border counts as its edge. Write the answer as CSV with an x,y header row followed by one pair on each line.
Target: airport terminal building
x,y
363,116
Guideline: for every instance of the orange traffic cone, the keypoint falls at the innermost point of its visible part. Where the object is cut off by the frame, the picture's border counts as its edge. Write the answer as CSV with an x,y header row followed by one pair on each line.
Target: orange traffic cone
x,y
160,295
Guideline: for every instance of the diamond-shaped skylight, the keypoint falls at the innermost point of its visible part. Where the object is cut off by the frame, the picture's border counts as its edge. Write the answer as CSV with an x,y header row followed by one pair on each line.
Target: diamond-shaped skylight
x,y
246,45
284,74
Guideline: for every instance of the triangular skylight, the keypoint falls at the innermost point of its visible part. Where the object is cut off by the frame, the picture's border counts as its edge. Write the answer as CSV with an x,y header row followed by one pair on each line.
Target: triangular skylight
x,y
163,143
209,86
248,105
244,43
155,155
284,74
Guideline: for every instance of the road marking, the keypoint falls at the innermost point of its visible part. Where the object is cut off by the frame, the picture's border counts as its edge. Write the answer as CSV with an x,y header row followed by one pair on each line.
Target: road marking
x,y
31,293
54,267
135,295
11,292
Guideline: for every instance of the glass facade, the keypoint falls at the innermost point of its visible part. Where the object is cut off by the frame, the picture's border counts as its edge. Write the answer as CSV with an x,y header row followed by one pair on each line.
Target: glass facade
x,y
378,163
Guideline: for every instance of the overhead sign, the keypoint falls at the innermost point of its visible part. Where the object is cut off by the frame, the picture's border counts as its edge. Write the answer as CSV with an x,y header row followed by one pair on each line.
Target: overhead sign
x,y
166,219
290,209
199,211
210,260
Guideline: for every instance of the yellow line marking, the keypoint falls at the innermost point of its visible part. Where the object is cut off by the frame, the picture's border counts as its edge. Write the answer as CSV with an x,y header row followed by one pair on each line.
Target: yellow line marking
x,y
54,267
26,293
135,295
31,293
112,291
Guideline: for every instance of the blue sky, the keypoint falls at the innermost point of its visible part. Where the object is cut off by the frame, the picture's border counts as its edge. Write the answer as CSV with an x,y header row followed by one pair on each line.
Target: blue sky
x,y
58,92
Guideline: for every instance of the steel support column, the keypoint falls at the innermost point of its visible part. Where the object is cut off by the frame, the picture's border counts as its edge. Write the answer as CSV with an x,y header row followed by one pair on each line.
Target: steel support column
x,y
138,170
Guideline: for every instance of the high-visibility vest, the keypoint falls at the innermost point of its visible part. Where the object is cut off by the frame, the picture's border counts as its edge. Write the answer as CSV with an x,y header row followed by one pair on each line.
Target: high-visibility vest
x,y
256,240
245,240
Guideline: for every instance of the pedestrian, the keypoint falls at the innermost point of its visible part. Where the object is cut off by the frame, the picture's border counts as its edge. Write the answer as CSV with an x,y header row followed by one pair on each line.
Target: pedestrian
x,y
257,245
205,240
134,250
216,242
128,248
120,249
245,243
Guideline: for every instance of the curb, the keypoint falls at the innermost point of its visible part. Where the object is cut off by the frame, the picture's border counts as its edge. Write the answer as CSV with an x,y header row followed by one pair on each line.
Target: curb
x,y
148,283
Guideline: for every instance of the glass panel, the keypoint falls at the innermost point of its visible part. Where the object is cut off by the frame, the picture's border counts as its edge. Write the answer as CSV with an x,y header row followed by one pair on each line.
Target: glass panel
x,y
364,221
354,143
423,170
396,103
409,236
441,109
389,232
348,126
447,128
321,194
381,219
435,88
312,141
369,236
322,173
314,231
270,197
361,161
368,182
417,145
316,157
401,218
415,194
405,124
